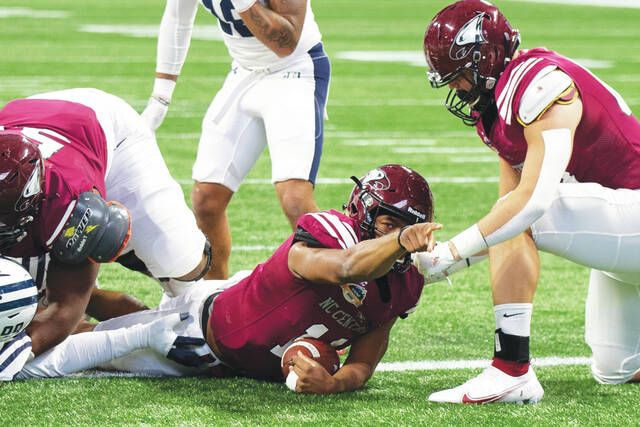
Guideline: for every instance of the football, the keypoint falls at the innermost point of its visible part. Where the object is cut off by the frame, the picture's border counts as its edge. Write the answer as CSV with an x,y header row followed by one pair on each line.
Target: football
x,y
317,350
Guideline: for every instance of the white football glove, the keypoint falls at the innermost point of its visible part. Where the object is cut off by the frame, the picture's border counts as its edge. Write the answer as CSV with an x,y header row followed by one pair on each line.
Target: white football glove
x,y
182,349
155,112
158,104
439,264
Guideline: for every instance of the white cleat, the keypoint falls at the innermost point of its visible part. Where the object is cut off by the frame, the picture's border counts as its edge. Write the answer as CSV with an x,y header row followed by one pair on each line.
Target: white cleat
x,y
494,385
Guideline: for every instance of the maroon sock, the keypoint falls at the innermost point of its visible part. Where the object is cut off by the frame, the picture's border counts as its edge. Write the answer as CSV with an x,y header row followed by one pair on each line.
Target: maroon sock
x,y
515,369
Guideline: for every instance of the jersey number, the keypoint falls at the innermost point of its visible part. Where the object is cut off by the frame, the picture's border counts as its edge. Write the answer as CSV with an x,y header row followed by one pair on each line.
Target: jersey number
x,y
313,331
227,20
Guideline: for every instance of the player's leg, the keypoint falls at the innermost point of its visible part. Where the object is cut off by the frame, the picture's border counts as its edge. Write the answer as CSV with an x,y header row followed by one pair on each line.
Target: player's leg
x,y
612,328
149,362
514,269
296,198
232,140
594,226
210,201
292,105
165,236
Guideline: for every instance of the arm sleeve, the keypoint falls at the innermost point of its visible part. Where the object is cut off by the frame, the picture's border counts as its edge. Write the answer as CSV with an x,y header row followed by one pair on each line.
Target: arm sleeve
x,y
174,35
557,153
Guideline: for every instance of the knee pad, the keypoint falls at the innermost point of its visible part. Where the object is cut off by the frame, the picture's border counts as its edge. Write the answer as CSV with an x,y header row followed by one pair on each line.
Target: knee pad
x,y
614,367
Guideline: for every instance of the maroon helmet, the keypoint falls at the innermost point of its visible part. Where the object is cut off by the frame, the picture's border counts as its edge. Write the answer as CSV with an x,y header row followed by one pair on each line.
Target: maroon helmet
x,y
21,182
469,35
392,190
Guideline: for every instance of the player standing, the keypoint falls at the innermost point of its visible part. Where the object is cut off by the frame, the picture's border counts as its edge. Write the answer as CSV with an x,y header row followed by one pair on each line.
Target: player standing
x,y
569,151
274,95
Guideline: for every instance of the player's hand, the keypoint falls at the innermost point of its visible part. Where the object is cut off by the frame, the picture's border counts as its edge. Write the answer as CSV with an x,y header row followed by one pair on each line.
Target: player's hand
x,y
419,237
184,350
310,376
437,264
155,112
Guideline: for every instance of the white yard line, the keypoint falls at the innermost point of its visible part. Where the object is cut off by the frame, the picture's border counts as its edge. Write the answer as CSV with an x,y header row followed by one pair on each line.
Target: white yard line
x,y
433,365
346,181
632,4
421,365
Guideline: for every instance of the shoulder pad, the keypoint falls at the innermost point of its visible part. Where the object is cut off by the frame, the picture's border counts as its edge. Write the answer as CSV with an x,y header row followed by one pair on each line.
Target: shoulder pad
x,y
96,230
545,89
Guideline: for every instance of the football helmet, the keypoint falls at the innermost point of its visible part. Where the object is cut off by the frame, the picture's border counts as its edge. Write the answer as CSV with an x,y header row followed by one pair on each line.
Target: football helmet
x,y
473,39
18,299
390,190
21,183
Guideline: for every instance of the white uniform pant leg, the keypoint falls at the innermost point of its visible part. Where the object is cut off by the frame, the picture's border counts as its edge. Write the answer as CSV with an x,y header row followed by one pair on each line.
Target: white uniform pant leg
x,y
164,234
147,361
232,138
612,328
600,228
594,226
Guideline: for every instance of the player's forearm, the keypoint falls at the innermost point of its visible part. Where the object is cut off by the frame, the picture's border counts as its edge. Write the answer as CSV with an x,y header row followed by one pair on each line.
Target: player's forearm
x,y
275,31
51,326
371,259
350,377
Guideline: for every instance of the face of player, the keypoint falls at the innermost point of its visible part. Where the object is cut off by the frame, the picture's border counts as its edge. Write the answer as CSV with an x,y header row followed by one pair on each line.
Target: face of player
x,y
463,82
388,224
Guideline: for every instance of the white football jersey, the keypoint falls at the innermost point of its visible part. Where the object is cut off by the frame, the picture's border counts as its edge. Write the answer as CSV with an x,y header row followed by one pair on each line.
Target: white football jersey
x,y
247,50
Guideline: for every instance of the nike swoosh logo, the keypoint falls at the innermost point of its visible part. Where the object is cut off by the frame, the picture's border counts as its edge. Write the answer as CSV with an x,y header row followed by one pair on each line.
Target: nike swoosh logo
x,y
488,399
511,315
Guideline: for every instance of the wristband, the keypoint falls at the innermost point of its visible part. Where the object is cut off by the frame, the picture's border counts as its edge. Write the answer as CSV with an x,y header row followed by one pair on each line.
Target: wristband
x,y
469,242
163,90
242,5
400,234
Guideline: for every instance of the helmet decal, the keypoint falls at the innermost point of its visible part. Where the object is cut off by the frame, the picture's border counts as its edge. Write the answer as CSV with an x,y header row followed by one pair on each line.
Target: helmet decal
x,y
31,188
376,179
467,37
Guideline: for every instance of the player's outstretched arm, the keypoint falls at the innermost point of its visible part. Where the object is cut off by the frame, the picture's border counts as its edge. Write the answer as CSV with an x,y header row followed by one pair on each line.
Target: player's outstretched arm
x,y
68,291
278,25
174,38
366,260
364,355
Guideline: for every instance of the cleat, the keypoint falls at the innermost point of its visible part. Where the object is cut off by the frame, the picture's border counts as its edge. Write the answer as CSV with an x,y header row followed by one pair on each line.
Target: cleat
x,y
493,386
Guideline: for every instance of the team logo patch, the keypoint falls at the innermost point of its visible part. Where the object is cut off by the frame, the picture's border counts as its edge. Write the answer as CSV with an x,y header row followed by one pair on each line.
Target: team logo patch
x,y
467,37
354,294
376,180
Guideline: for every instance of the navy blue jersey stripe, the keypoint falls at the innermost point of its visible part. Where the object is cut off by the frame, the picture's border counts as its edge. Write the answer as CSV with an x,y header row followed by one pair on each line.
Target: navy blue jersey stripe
x,y
12,287
22,302
14,355
322,76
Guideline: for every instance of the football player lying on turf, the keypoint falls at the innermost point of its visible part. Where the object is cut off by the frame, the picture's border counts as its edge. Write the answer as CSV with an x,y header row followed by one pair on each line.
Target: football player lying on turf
x,y
62,154
342,279
569,150
77,352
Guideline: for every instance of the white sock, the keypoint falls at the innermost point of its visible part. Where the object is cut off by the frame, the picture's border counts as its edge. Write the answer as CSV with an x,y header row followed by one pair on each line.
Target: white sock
x,y
514,319
87,350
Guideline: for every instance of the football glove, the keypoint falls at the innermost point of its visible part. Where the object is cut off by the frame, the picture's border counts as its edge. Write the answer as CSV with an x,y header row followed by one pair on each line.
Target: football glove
x,y
439,264
184,350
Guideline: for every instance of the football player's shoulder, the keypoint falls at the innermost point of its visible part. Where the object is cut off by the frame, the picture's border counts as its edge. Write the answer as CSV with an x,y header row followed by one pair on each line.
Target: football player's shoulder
x,y
531,83
331,228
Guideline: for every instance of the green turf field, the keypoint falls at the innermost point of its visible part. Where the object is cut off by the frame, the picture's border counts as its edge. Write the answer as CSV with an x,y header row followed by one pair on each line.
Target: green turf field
x,y
380,111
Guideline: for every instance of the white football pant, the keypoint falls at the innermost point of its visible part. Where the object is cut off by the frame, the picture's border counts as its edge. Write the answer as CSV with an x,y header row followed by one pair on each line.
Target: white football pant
x,y
599,227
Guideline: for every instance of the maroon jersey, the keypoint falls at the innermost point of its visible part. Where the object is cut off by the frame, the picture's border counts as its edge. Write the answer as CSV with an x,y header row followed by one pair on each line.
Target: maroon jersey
x,y
254,321
74,149
606,146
